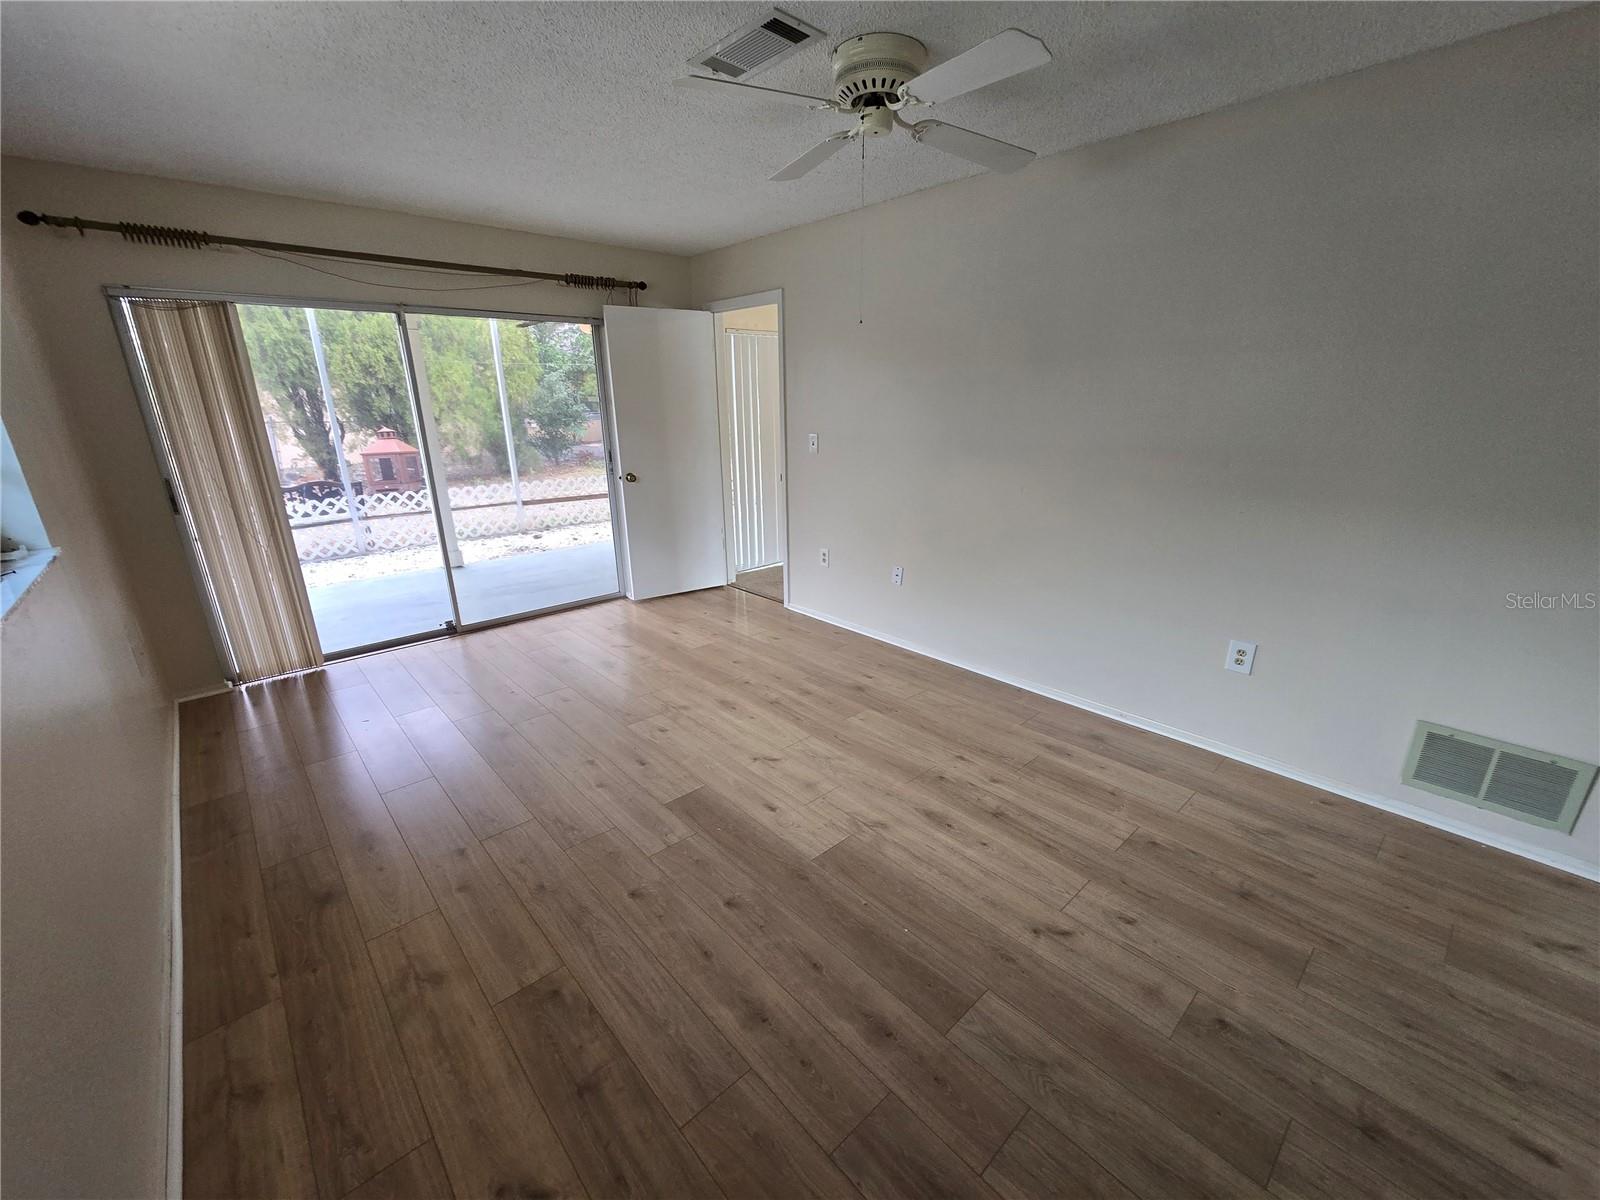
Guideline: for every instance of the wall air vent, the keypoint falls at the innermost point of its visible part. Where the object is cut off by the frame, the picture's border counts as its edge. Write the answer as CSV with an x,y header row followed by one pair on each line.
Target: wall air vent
x,y
1529,785
751,49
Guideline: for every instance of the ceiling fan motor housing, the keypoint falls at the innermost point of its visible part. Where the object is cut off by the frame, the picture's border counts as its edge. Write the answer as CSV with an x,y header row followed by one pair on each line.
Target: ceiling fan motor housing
x,y
870,70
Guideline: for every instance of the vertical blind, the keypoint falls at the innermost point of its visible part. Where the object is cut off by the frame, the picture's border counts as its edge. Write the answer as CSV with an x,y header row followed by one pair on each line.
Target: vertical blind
x,y
753,460
205,404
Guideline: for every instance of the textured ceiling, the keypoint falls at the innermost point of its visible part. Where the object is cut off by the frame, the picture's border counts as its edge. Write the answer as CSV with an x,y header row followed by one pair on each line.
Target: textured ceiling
x,y
560,117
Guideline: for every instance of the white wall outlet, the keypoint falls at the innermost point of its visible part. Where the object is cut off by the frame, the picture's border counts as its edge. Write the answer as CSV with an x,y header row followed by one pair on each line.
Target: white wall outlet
x,y
824,556
898,576
1241,657
811,442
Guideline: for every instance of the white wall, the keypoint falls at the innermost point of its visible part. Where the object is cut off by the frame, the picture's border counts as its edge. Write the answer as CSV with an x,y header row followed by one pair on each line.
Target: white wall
x,y
86,784
1318,371
63,276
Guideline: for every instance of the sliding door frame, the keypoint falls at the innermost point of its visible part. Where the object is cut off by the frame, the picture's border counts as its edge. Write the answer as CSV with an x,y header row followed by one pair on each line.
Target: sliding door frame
x,y
158,441
608,440
430,434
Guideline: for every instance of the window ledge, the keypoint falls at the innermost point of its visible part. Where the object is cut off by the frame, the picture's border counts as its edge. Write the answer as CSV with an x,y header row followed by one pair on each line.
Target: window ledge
x,y
21,574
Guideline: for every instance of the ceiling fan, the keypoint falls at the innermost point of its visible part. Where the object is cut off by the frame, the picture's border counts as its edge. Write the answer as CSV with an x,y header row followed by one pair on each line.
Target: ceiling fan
x,y
877,76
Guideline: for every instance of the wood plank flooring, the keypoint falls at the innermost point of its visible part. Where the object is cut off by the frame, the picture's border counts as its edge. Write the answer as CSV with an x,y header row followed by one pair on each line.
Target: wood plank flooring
x,y
702,898
763,581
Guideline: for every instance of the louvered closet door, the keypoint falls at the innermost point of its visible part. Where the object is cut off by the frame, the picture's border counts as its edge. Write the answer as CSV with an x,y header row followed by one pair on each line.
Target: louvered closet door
x,y
754,463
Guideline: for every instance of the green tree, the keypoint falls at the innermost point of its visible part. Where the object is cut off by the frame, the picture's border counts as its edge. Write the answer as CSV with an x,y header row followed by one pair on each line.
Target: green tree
x,y
280,357
549,370
550,387
369,380
566,394
466,397
364,370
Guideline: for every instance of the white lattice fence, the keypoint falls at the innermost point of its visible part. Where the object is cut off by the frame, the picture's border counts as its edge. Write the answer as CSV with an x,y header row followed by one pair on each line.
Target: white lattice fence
x,y
397,520
383,504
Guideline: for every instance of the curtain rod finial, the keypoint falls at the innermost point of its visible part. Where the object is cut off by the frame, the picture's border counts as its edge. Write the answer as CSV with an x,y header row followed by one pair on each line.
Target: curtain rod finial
x,y
28,217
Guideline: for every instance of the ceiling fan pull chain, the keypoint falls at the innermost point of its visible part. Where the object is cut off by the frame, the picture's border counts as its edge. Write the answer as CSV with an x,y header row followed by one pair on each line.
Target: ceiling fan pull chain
x,y
861,247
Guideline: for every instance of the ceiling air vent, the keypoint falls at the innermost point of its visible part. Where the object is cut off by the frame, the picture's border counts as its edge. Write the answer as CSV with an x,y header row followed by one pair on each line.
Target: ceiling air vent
x,y
1529,785
749,50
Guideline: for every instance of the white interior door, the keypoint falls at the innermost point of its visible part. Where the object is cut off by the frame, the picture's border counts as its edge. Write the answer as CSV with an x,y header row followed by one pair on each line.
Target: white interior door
x,y
662,370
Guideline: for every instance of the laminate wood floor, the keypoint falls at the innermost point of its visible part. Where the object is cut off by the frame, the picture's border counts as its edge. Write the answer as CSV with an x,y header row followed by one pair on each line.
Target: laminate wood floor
x,y
700,898
763,581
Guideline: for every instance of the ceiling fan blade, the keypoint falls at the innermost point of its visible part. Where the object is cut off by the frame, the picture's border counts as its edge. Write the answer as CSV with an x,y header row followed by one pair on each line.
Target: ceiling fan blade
x,y
813,157
987,152
727,87
1002,56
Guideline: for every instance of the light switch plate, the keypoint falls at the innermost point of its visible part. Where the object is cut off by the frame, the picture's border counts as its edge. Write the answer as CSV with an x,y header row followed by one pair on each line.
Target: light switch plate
x,y
1241,657
898,576
811,442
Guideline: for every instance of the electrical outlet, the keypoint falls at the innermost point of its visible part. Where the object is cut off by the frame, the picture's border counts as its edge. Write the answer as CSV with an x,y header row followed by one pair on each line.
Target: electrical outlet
x,y
824,556
898,576
811,442
1241,657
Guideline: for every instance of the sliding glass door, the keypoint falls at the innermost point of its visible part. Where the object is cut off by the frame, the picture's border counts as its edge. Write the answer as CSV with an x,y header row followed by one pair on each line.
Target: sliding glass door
x,y
437,470
521,457
346,440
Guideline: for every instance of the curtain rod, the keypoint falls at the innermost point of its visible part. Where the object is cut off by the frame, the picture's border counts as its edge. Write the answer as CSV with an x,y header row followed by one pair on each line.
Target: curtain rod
x,y
194,239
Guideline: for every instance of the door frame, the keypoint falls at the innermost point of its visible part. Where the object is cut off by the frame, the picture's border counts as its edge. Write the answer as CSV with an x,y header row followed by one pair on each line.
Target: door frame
x,y
115,296
608,438
758,300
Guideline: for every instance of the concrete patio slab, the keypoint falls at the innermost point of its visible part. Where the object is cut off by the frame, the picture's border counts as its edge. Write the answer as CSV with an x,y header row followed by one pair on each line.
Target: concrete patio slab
x,y
365,611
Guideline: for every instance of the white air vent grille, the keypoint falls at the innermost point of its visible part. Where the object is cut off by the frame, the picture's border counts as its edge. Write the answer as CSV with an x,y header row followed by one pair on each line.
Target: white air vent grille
x,y
764,42
1453,764
1544,789
1529,786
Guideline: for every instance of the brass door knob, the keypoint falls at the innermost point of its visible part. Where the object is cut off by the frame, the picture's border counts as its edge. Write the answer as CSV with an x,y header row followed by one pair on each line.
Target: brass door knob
x,y
630,477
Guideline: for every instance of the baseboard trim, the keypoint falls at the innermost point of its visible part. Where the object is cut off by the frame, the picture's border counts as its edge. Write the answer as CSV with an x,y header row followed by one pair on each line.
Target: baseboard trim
x,y
202,693
1560,862
174,1181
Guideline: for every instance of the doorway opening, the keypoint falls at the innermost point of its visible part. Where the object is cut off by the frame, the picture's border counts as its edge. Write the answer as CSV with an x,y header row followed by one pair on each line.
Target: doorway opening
x,y
750,412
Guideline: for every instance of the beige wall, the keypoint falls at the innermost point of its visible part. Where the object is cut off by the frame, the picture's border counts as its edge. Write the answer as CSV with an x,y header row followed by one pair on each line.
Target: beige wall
x,y
63,276
86,785
93,656
763,317
1318,371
